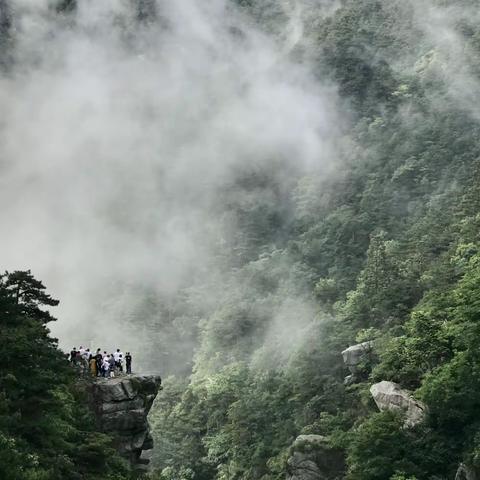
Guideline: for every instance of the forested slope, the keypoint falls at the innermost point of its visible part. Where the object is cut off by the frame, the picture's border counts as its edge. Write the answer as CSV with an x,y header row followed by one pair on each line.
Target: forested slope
x,y
387,250
378,242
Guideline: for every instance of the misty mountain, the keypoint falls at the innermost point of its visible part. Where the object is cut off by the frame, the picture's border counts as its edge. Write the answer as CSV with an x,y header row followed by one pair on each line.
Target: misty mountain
x,y
240,190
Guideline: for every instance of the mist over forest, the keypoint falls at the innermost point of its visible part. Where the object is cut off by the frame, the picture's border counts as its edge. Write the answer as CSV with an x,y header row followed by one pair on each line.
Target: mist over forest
x,y
238,191
139,142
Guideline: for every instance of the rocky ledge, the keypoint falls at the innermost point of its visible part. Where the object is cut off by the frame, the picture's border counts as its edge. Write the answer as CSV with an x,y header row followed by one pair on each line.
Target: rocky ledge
x,y
121,406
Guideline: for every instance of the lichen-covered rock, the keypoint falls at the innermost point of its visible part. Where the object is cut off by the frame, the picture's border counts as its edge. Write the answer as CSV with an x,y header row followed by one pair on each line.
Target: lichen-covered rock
x,y
312,458
121,406
390,396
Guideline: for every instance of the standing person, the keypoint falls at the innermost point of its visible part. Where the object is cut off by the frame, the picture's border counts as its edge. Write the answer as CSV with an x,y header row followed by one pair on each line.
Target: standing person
x,y
118,356
105,367
77,358
120,363
128,362
84,363
111,361
99,360
93,366
73,354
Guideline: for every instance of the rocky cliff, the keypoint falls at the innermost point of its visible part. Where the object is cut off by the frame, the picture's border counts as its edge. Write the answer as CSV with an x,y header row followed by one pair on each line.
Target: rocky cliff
x,y
312,458
121,406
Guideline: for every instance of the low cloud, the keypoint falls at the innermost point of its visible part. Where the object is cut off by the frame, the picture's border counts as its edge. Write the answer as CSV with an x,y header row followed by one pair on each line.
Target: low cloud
x,y
117,136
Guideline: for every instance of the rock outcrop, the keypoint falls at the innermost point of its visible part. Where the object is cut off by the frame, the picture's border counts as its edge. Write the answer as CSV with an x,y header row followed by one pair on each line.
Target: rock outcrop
x,y
121,406
465,472
312,458
354,357
390,396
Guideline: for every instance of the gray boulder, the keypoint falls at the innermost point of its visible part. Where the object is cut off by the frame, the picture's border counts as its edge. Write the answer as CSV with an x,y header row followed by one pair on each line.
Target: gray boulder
x,y
312,458
121,406
465,472
353,357
390,396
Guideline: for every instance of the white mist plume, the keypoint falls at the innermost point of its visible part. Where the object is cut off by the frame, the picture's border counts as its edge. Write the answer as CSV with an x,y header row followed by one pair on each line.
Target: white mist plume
x,y
116,138
450,56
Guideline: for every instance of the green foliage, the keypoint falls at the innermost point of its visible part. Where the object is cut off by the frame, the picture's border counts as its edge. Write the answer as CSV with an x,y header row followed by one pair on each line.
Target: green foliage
x,y
15,464
382,448
46,431
385,249
388,251
236,423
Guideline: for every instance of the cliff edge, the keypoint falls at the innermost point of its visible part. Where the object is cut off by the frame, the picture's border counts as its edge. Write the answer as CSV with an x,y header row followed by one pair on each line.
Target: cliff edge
x,y
121,406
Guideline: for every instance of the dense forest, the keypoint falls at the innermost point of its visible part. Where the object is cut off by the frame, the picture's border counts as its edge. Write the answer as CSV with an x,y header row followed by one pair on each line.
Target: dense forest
x,y
387,250
382,245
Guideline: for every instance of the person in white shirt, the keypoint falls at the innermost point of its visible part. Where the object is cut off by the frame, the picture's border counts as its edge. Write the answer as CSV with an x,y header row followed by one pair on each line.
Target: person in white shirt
x,y
118,356
106,367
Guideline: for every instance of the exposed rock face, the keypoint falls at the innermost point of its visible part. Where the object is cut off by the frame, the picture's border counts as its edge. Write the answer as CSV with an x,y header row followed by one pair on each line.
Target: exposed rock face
x,y
353,357
390,396
121,406
312,458
465,472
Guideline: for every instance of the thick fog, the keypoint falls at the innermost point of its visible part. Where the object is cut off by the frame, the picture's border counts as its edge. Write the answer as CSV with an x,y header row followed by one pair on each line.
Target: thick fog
x,y
118,130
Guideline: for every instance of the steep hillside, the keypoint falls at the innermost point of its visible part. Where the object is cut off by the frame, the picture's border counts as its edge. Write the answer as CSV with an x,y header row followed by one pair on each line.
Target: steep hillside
x,y
387,251
248,189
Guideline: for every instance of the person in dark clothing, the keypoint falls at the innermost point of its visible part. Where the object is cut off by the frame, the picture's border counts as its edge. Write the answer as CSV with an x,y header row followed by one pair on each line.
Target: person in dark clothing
x,y
128,362
111,361
78,359
99,360
73,355
120,363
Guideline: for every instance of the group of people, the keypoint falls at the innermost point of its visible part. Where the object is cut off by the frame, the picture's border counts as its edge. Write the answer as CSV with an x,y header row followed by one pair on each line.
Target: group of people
x,y
101,364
